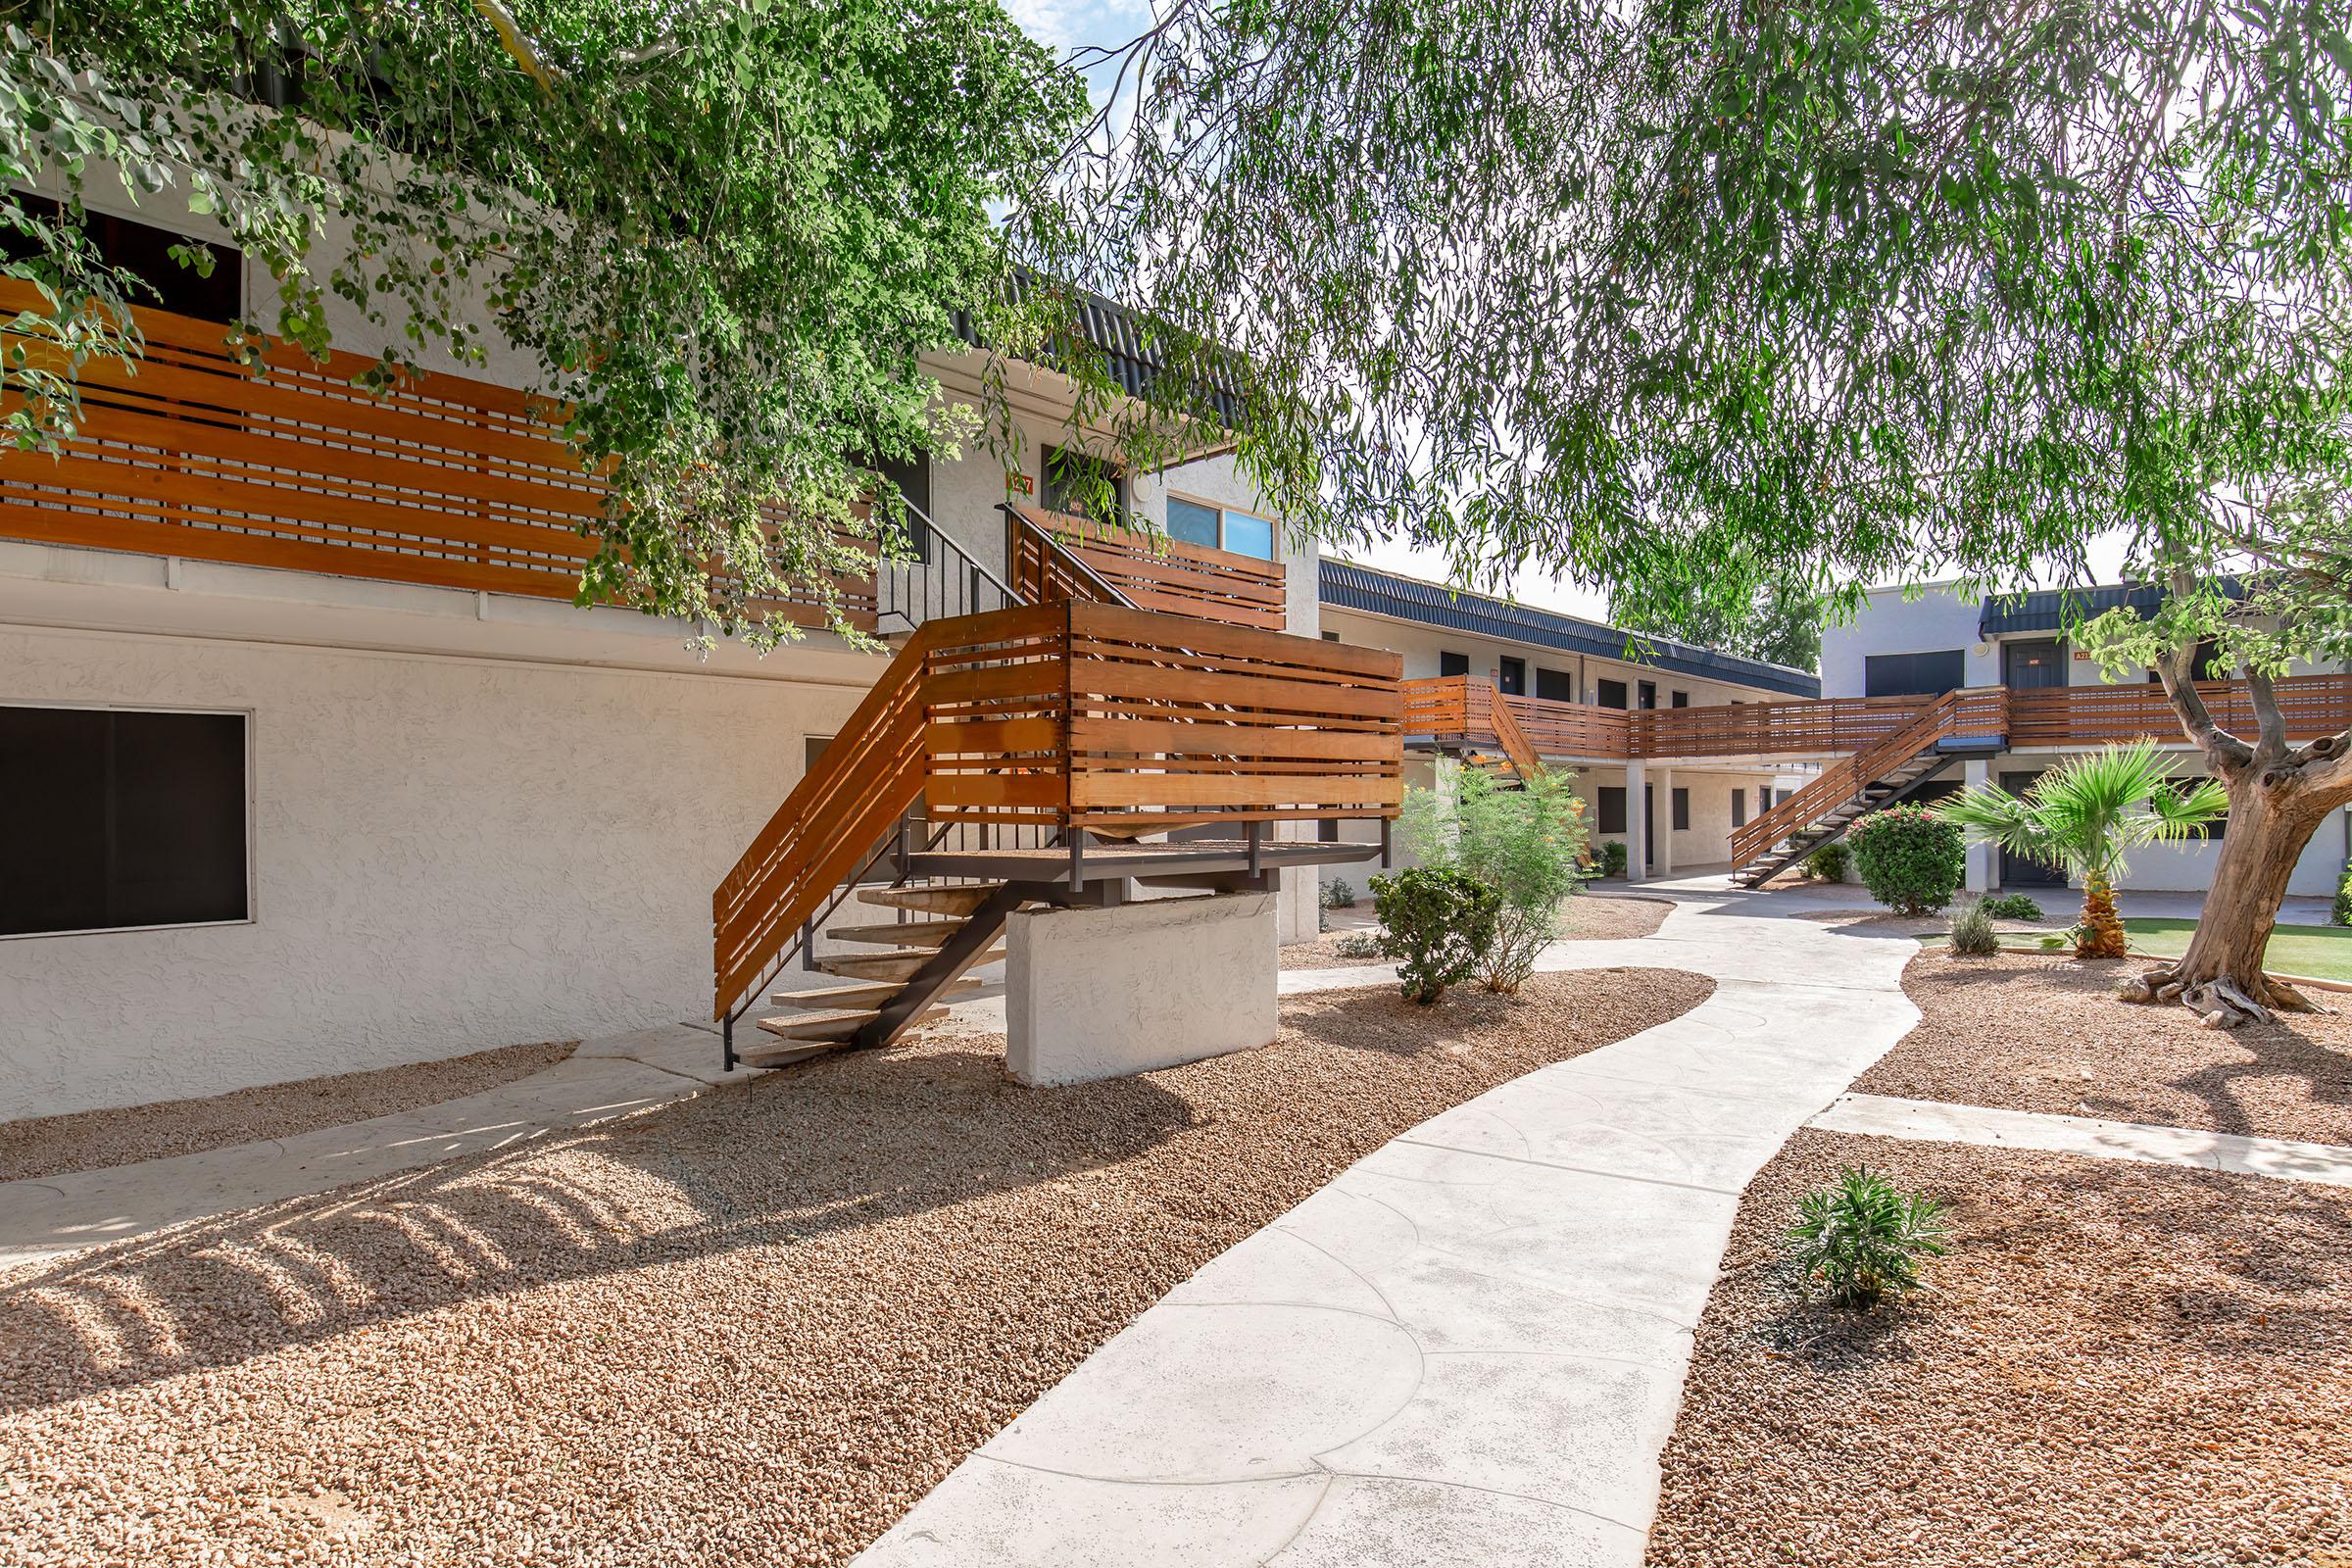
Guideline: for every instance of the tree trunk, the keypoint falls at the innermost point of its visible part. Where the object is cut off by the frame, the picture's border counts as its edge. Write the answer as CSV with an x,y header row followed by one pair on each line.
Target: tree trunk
x,y
2102,929
2221,975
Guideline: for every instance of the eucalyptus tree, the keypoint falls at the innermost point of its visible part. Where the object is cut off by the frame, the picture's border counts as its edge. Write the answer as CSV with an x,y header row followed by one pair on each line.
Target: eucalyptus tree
x,y
1686,299
721,233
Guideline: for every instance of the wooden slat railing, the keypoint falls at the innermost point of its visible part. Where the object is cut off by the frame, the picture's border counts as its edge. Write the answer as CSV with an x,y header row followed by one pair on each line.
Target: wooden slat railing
x,y
2089,715
1803,727
1505,721
1570,729
443,480
1974,713
1154,573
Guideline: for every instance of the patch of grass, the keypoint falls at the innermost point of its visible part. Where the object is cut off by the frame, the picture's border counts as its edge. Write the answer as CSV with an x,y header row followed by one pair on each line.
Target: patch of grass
x,y
2321,951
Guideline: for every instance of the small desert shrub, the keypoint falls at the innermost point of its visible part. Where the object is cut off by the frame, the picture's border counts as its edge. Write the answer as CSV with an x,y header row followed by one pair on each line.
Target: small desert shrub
x,y
1910,858
1339,893
2343,897
2012,907
1827,863
1612,857
1972,932
1527,844
1439,923
1358,944
1861,1238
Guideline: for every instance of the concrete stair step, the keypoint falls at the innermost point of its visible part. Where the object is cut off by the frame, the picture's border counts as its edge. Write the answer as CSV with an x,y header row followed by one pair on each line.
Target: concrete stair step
x,y
900,966
961,898
899,933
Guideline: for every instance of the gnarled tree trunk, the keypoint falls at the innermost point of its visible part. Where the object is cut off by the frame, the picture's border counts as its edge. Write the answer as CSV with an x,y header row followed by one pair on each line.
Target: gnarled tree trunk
x,y
2279,795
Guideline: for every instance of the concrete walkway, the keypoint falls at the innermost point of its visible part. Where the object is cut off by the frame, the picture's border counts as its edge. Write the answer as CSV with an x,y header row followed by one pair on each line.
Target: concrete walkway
x,y
1469,1348
1932,1121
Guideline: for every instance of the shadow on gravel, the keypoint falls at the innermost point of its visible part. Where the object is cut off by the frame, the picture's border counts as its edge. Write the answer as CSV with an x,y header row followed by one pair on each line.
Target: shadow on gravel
x,y
791,1157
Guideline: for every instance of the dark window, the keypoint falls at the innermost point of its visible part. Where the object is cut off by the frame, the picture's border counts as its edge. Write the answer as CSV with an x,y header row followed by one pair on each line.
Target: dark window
x,y
1327,831
1679,700
1739,808
1510,676
1612,693
1650,694
147,252
1453,664
1331,636
2208,667
118,820
1554,685
1914,674
1681,810
1074,484
1612,808
912,477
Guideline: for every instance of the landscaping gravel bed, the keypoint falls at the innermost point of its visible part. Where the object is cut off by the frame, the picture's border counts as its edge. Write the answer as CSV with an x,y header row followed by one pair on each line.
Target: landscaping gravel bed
x,y
90,1139
1601,917
748,1328
2024,1032
2117,1364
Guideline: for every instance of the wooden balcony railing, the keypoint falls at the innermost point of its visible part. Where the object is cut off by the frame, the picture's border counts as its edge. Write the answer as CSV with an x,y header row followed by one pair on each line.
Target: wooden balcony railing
x,y
1971,714
442,481
1153,574
1457,709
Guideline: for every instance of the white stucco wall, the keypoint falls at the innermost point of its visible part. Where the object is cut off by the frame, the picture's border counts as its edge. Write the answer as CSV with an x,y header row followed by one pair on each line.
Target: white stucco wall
x,y
448,852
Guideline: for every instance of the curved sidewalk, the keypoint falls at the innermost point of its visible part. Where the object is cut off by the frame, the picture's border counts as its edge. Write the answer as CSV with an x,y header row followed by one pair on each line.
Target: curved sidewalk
x,y
1469,1348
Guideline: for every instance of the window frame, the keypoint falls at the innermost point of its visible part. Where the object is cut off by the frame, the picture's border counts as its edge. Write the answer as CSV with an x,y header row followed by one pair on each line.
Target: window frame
x,y
246,719
1910,680
1224,512
1600,695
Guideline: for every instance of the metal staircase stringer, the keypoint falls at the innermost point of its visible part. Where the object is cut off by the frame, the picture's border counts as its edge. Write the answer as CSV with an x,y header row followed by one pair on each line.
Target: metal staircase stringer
x,y
981,928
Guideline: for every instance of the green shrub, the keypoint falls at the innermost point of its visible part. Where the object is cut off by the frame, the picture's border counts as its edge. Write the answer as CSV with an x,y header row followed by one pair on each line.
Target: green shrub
x,y
1910,858
2343,897
1439,923
1358,944
2013,907
1972,932
1525,843
1612,857
1339,893
1862,1239
1827,863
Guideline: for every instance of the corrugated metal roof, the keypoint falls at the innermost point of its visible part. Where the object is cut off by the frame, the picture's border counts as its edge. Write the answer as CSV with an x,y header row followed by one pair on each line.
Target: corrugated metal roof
x,y
1126,348
1349,586
2052,608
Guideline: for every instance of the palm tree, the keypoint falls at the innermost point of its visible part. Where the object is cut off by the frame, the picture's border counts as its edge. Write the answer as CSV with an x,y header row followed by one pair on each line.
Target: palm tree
x,y
2082,814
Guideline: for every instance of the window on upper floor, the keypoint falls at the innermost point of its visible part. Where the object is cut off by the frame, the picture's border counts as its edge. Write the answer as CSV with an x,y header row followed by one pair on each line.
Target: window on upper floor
x,y
1075,485
1611,693
912,477
1678,700
119,819
2209,664
1928,674
1453,663
146,251
1554,685
1198,522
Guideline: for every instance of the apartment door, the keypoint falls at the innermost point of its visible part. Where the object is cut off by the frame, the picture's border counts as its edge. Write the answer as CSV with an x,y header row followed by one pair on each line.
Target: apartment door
x,y
1510,677
2027,667
2016,870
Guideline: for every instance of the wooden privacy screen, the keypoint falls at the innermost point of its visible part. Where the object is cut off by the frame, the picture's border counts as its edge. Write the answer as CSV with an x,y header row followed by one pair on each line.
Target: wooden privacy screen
x,y
1120,721
1154,574
2083,716
1735,729
443,481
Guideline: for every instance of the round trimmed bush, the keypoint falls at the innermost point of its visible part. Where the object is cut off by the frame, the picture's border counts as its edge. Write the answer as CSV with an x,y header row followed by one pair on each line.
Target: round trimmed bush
x,y
1910,858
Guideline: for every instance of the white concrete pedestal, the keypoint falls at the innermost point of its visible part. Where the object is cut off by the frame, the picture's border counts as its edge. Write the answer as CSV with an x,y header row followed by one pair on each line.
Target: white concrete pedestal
x,y
1107,993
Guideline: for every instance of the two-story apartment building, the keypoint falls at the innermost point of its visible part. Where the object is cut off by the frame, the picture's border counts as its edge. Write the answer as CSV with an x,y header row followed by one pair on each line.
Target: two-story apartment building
x,y
1921,644
310,764
1579,695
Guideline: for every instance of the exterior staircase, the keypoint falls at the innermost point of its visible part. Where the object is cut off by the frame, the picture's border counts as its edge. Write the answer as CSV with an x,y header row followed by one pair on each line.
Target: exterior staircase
x,y
1957,724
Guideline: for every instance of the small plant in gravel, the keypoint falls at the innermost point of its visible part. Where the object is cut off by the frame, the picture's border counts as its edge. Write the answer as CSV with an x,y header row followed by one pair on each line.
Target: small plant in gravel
x,y
1339,893
1973,933
1612,857
1863,1239
1912,859
1827,863
1439,923
2013,907
1358,944
2342,913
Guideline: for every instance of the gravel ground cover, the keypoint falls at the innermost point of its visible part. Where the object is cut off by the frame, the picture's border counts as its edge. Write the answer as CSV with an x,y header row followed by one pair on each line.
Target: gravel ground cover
x,y
2024,1032
90,1139
749,1328
1605,917
2117,1364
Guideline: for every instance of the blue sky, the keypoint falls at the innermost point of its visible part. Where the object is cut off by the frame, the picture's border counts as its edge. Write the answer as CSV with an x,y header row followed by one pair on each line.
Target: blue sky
x,y
1067,25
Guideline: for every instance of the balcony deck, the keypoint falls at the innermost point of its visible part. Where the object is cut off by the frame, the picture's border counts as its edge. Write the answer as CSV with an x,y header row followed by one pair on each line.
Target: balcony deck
x,y
1459,710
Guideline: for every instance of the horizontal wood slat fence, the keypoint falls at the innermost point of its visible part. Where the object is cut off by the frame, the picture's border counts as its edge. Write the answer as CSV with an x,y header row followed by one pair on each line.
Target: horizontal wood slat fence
x,y
1071,714
443,480
1460,708
1151,572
